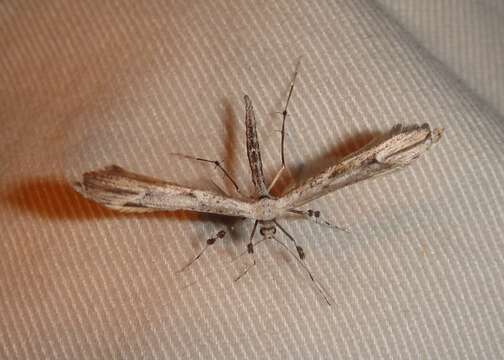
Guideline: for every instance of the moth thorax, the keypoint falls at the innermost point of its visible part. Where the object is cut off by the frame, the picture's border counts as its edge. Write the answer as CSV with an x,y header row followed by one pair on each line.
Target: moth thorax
x,y
266,209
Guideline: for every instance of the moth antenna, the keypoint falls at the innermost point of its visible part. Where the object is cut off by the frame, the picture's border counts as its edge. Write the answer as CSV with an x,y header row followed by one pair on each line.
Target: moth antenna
x,y
314,216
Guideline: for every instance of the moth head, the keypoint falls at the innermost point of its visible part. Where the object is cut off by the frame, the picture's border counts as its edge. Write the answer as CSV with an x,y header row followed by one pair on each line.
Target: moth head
x,y
268,229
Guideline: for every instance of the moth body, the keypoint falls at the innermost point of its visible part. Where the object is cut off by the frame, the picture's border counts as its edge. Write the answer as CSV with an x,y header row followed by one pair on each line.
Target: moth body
x,y
266,209
119,189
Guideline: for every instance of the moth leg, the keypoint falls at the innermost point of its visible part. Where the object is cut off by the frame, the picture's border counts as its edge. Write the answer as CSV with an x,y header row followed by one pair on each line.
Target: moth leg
x,y
218,165
277,176
250,251
210,241
212,273
221,190
314,216
299,249
316,284
246,250
284,117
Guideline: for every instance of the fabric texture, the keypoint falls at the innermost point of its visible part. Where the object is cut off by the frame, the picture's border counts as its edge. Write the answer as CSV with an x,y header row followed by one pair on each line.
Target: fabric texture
x,y
85,84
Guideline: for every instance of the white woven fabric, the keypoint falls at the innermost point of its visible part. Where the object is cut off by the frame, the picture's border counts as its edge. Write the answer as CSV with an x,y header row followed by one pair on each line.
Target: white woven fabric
x,y
89,83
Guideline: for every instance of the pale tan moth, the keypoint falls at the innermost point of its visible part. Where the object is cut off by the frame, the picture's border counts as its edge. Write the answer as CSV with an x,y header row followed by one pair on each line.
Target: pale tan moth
x,y
122,190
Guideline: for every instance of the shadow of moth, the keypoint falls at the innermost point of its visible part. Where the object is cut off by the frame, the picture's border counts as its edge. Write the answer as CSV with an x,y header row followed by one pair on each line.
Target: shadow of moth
x,y
119,189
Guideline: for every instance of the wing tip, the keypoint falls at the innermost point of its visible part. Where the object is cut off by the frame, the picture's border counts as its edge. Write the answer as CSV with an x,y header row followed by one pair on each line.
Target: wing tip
x,y
100,186
78,187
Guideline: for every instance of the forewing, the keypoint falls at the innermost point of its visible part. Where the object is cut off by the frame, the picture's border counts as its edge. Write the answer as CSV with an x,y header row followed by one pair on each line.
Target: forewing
x,y
122,190
253,150
393,151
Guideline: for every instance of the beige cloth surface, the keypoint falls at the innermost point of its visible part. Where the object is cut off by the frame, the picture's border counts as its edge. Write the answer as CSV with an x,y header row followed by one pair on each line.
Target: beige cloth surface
x,y
85,84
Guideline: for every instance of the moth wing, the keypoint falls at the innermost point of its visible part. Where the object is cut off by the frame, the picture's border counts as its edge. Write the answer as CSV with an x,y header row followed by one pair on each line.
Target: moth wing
x,y
392,151
122,190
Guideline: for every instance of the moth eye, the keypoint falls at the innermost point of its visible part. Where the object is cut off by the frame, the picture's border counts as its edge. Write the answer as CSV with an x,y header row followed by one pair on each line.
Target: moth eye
x,y
317,213
221,234
211,241
267,229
